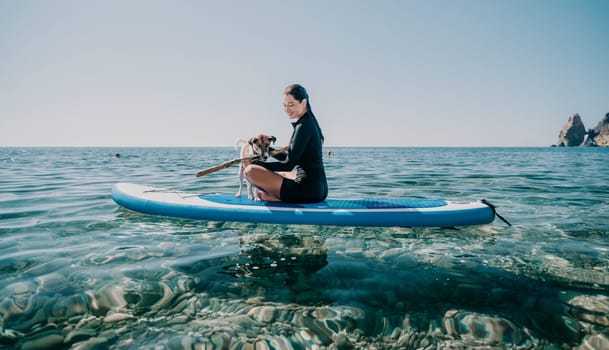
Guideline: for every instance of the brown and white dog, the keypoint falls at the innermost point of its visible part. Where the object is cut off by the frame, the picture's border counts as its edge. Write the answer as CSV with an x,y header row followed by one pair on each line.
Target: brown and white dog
x,y
257,146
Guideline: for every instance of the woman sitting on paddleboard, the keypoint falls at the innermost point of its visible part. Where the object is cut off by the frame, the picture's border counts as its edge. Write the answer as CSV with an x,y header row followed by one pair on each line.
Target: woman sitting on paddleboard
x,y
304,155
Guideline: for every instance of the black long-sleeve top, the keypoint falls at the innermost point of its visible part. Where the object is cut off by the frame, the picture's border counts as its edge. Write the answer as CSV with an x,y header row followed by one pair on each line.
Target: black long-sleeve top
x,y
305,149
304,154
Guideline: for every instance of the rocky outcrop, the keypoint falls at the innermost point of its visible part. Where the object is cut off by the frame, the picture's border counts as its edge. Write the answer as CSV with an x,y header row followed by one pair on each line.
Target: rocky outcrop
x,y
574,133
601,137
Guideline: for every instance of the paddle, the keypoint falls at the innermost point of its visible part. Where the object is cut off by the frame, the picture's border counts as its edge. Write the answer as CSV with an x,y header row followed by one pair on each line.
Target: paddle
x,y
225,165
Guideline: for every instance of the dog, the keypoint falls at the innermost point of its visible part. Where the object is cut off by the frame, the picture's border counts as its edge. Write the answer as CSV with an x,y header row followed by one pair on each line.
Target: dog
x,y
257,146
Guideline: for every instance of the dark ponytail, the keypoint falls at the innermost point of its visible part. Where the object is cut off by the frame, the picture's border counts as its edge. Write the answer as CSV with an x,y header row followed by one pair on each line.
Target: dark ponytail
x,y
299,93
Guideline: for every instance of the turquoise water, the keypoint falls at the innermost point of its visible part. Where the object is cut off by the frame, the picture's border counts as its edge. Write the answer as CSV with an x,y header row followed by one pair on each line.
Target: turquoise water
x,y
77,271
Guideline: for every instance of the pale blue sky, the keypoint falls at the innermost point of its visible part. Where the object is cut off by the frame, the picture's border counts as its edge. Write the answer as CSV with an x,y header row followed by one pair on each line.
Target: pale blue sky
x,y
379,73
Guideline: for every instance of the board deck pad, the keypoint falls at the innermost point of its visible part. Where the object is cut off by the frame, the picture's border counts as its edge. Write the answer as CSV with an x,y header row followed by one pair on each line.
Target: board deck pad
x,y
347,204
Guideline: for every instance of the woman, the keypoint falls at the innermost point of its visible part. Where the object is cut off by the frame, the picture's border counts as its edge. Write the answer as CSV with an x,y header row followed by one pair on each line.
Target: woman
x,y
304,155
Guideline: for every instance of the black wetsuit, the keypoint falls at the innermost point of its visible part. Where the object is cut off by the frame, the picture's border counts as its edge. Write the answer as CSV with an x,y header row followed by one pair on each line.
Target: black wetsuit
x,y
305,154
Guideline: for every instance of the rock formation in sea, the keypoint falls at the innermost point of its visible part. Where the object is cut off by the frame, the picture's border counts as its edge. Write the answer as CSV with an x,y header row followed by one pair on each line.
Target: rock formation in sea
x,y
601,131
574,133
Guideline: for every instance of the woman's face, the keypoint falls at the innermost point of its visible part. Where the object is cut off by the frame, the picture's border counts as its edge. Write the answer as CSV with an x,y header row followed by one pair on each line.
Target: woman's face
x,y
293,108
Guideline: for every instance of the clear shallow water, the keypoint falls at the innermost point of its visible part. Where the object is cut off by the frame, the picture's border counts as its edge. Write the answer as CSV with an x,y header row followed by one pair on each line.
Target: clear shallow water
x,y
77,271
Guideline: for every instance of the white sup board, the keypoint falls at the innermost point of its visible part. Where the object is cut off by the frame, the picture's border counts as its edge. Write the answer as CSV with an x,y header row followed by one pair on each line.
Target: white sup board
x,y
407,212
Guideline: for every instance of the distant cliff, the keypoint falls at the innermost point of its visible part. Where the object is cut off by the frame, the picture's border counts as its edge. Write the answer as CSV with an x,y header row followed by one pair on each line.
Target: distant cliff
x,y
574,133
601,132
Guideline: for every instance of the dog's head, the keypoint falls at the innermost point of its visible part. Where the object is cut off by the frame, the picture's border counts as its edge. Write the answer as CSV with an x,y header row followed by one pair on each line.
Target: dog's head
x,y
261,145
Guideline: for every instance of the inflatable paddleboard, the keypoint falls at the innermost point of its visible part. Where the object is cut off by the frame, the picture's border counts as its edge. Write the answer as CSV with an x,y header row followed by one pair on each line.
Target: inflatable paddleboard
x,y
407,212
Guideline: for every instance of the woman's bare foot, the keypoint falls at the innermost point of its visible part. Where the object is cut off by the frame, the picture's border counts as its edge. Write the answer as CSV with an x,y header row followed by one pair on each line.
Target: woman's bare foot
x,y
266,197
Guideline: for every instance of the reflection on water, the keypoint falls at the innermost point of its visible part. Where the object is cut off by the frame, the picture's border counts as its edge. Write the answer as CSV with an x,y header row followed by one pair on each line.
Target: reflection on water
x,y
79,272
281,260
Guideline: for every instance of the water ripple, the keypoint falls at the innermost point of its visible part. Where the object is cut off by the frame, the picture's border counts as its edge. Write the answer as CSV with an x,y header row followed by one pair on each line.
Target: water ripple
x,y
79,272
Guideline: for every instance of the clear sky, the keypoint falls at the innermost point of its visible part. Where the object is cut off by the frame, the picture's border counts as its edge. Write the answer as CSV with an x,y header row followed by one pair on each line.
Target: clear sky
x,y
379,73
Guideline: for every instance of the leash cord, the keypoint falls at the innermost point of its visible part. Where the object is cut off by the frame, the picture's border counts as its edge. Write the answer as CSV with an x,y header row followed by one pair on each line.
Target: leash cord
x,y
494,208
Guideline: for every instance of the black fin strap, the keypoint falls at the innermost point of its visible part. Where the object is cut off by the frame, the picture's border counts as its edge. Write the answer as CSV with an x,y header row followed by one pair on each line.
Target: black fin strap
x,y
494,208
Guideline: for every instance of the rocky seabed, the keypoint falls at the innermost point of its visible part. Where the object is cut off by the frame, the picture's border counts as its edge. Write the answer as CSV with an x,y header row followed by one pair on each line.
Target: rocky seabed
x,y
170,316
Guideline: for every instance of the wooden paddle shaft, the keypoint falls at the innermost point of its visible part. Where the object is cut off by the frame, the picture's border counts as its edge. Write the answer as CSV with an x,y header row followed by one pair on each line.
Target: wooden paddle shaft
x,y
235,161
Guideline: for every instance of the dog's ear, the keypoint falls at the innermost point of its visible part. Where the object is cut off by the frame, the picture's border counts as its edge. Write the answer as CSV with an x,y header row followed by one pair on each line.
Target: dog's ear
x,y
273,139
253,141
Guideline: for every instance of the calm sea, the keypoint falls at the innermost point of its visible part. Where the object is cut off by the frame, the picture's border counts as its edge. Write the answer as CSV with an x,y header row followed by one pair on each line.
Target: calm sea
x,y
77,271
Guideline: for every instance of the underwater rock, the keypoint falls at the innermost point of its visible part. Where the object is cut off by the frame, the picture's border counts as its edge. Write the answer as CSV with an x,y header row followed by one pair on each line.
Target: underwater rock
x,y
117,317
594,342
18,301
220,340
263,313
109,297
44,340
65,307
483,329
89,322
79,335
93,344
342,342
591,309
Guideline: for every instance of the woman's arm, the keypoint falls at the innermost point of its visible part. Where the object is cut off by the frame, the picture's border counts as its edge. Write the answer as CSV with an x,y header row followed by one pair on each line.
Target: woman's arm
x,y
302,134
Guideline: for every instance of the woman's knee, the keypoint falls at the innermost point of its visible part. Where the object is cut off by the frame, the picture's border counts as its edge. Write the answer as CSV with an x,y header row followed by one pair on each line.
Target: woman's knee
x,y
264,179
251,171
